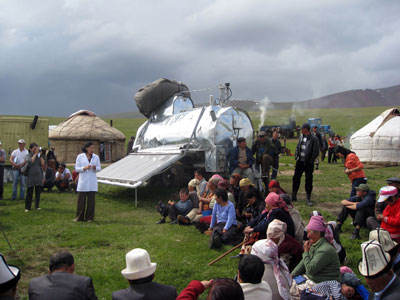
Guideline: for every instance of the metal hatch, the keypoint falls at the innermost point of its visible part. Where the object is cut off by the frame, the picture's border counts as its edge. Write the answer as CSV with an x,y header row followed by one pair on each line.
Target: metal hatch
x,y
138,167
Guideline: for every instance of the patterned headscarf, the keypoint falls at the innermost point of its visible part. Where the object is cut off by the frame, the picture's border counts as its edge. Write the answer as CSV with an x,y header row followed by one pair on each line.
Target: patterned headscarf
x,y
276,230
245,181
275,201
267,250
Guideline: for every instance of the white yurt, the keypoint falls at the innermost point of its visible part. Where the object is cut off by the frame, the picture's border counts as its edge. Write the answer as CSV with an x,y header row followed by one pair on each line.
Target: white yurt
x,y
378,142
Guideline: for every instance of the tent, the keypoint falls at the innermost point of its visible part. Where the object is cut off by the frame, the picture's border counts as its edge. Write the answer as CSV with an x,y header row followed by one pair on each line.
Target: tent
x,y
378,142
69,137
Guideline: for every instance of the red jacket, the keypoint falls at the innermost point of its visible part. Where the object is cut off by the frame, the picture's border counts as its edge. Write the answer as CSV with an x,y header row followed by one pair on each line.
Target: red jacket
x,y
391,221
192,291
352,162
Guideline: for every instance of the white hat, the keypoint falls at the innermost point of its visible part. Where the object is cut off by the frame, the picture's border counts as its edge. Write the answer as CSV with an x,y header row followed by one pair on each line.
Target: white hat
x,y
386,192
21,141
138,265
374,259
9,275
382,236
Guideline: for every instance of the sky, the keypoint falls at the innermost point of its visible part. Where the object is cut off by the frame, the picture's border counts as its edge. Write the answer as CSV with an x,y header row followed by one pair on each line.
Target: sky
x,y
57,57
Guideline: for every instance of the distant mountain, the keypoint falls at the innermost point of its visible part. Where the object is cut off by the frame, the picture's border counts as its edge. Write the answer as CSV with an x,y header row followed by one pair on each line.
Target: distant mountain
x,y
389,96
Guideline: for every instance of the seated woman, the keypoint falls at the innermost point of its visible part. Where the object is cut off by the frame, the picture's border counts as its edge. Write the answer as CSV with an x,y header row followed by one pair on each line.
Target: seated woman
x,y
253,208
206,201
223,221
276,273
234,187
289,249
275,187
220,289
245,185
275,208
320,261
224,184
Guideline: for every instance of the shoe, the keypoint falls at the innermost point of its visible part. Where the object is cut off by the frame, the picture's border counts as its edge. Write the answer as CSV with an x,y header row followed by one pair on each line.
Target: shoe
x,y
162,221
173,222
38,208
26,210
215,241
294,197
309,203
75,220
355,235
89,221
183,220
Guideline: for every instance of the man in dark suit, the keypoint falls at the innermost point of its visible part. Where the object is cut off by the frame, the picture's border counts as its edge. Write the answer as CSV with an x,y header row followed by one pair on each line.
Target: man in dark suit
x,y
139,272
61,283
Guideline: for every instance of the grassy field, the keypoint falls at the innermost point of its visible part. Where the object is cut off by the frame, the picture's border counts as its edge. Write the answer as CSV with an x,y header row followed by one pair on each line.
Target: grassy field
x,y
181,252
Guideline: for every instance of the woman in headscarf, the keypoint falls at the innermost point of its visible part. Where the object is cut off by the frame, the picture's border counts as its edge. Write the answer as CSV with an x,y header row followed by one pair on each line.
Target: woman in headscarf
x,y
207,200
245,185
352,168
194,185
276,272
275,208
289,249
320,261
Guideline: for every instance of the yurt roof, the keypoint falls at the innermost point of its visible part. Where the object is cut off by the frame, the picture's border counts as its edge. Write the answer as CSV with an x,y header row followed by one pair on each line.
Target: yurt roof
x,y
85,125
372,127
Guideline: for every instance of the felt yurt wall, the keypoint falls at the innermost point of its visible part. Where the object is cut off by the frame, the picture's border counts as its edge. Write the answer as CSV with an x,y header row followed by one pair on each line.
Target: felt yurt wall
x,y
378,142
69,137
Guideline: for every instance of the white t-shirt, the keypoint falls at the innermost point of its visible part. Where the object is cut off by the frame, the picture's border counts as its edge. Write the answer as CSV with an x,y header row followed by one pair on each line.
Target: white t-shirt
x,y
65,172
19,156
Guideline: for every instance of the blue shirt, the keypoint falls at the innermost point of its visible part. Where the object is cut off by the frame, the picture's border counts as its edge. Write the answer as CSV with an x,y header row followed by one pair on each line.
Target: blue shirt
x,y
223,214
380,293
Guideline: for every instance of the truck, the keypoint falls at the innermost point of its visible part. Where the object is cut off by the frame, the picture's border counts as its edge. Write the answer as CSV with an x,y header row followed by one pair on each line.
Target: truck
x,y
178,138
285,130
324,129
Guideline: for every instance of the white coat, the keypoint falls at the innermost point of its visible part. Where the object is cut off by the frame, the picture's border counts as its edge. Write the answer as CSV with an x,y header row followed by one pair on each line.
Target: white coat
x,y
87,181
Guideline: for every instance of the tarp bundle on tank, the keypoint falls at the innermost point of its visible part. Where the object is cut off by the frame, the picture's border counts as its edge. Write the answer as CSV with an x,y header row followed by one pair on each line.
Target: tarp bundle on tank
x,y
152,95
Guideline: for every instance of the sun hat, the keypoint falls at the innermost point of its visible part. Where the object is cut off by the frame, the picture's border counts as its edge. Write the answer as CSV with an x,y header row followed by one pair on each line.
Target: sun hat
x,y
386,192
9,275
363,187
382,236
21,141
374,259
316,223
138,265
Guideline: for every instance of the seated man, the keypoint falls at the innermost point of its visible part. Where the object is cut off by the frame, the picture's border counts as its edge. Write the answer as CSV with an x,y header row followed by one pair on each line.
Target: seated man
x,y
9,277
48,177
183,207
63,177
140,272
253,208
360,207
74,183
241,160
375,266
372,222
390,217
61,282
250,273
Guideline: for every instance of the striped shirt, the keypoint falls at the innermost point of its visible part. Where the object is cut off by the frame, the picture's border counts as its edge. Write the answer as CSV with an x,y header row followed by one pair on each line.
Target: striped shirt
x,y
331,288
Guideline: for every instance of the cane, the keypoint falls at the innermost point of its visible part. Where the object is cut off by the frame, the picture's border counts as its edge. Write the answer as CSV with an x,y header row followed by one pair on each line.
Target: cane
x,y
226,253
4,234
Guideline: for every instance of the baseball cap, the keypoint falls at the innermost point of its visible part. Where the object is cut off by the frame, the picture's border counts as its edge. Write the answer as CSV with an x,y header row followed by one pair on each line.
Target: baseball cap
x,y
386,192
261,133
241,139
21,141
305,126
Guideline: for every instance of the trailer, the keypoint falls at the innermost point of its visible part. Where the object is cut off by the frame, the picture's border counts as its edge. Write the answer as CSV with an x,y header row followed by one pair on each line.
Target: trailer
x,y
178,138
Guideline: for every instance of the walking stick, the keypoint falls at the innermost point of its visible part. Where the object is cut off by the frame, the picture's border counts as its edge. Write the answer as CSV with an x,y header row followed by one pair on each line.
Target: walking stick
x,y
227,252
6,238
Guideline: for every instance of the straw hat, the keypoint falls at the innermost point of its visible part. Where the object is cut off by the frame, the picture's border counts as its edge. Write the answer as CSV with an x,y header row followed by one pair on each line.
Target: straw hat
x,y
138,265
374,259
9,275
382,236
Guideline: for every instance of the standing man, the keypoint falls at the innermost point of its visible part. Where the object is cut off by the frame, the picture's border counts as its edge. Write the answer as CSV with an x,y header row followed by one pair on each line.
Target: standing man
x,y
2,161
307,151
319,137
263,149
17,161
324,147
276,150
241,160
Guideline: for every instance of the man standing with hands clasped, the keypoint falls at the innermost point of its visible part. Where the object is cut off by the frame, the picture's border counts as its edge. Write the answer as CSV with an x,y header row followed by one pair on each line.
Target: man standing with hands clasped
x,y
17,161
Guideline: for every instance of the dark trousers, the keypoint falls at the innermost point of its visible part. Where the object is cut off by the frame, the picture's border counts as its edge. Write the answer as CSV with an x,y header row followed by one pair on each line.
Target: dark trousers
x,y
275,166
48,185
85,207
1,181
62,185
298,172
323,154
359,216
331,156
29,196
356,182
229,237
373,223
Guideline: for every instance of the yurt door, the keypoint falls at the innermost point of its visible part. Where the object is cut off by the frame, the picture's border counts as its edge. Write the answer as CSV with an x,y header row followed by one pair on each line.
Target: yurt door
x,y
105,152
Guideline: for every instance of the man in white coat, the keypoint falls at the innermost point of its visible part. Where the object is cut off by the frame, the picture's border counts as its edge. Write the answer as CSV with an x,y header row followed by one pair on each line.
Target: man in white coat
x,y
250,273
87,164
